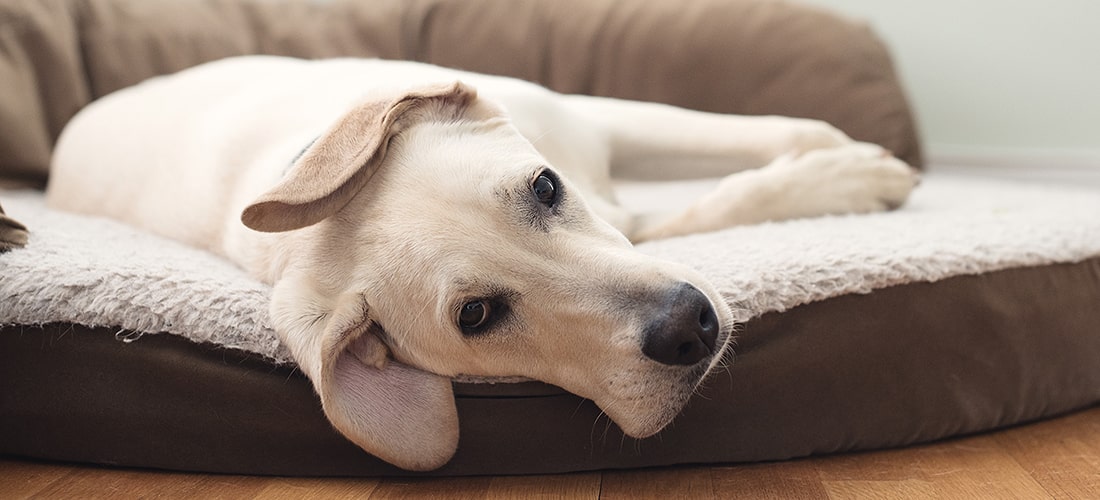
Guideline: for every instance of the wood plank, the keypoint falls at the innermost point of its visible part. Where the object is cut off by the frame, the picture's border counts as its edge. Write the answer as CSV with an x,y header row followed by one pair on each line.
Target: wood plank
x,y
874,490
1063,455
663,483
871,475
794,480
97,482
886,465
335,488
19,479
976,467
578,486
455,488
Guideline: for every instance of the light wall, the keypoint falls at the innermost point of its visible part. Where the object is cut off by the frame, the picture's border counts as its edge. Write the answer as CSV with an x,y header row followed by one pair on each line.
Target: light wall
x,y
996,78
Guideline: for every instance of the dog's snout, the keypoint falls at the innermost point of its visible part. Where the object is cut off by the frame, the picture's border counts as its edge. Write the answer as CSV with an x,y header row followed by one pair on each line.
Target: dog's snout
x,y
685,331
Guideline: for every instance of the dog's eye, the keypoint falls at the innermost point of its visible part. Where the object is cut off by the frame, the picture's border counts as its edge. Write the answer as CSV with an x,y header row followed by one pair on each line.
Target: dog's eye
x,y
474,315
545,189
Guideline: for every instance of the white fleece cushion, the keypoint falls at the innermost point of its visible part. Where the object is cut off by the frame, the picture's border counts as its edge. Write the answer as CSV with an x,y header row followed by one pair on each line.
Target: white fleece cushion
x,y
100,273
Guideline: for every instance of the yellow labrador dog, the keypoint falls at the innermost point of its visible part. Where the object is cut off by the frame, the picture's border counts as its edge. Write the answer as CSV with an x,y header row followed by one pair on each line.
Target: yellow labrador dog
x,y
416,229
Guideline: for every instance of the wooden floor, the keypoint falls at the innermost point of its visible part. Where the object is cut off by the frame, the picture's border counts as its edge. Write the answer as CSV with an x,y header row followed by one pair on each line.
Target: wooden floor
x,y
1059,458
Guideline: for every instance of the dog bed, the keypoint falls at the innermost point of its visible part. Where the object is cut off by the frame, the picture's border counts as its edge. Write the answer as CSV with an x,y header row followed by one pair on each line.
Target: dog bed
x,y
970,309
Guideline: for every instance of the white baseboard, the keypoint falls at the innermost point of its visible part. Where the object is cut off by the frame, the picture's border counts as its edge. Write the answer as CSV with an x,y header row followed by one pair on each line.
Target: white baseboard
x,y
1081,167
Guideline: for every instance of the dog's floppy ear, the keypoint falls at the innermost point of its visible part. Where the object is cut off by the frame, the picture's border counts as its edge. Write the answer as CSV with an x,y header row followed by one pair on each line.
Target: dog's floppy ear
x,y
339,163
400,414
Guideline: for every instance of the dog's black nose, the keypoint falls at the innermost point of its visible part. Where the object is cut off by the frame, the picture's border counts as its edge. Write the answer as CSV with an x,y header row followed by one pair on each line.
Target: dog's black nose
x,y
685,330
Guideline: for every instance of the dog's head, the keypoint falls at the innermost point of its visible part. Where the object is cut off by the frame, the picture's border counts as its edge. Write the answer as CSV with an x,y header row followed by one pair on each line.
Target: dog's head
x,y
434,242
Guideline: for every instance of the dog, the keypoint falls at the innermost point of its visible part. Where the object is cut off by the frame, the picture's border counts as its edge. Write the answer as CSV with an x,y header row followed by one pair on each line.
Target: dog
x,y
419,223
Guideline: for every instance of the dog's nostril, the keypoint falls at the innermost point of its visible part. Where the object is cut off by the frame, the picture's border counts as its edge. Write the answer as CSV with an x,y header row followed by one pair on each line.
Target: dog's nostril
x,y
708,321
685,332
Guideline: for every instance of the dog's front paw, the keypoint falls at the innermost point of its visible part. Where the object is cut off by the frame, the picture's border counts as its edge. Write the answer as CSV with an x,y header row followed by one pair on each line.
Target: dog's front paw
x,y
854,178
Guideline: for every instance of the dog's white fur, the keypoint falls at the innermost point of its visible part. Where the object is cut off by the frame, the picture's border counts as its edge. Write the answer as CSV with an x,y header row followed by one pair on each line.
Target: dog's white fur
x,y
380,197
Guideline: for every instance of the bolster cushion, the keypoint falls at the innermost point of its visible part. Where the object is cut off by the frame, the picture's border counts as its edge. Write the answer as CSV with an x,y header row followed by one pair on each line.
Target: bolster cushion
x,y
729,56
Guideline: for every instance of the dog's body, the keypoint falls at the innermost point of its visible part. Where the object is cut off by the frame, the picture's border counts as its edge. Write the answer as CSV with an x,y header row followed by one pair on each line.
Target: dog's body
x,y
402,215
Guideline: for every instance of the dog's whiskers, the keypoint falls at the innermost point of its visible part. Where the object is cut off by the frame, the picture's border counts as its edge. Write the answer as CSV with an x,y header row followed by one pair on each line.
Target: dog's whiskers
x,y
592,432
578,407
293,369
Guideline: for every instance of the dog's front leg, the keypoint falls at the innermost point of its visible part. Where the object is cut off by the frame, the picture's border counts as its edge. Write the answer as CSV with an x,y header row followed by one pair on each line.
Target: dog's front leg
x,y
855,178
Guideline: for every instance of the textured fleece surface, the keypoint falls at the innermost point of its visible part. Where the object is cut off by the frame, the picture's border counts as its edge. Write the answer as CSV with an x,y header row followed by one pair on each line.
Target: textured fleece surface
x,y
100,273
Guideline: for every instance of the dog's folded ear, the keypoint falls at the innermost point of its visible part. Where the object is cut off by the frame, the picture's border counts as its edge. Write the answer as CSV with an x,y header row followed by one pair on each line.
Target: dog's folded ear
x,y
400,414
339,163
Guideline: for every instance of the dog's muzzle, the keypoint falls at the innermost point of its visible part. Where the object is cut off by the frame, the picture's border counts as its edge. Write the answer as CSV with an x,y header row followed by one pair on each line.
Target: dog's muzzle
x,y
685,330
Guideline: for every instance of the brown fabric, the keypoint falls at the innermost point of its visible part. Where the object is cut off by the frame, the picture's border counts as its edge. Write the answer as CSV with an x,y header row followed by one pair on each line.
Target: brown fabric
x,y
901,365
42,82
731,56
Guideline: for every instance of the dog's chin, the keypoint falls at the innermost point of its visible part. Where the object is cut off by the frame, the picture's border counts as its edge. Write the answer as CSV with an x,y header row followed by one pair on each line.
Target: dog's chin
x,y
651,424
645,420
